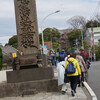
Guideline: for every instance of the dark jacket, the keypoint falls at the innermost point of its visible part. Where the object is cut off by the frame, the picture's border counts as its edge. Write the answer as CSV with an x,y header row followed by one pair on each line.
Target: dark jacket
x,y
82,54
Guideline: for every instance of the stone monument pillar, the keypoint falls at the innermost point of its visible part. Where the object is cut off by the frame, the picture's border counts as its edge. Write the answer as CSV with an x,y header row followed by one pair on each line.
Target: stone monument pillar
x,y
28,43
27,29
27,32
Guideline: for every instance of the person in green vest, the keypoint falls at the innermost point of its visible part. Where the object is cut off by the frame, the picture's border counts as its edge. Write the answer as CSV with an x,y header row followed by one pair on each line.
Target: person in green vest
x,y
1,59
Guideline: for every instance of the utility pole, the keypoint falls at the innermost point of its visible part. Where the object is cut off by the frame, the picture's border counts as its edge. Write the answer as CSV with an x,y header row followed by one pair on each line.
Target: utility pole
x,y
82,39
92,40
42,26
76,43
51,43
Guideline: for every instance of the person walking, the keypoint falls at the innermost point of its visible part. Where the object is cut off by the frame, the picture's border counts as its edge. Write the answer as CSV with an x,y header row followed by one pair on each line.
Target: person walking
x,y
62,55
82,54
62,79
82,67
57,56
53,57
73,78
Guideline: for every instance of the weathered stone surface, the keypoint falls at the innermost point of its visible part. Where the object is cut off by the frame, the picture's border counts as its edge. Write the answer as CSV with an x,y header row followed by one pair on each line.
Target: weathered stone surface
x,y
27,29
22,88
29,75
25,60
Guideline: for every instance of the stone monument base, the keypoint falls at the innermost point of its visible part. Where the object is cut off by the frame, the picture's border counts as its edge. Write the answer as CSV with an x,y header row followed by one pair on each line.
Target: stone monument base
x,y
29,75
28,88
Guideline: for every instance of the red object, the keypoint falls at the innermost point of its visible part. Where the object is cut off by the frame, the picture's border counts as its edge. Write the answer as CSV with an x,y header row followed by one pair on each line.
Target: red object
x,y
86,55
81,52
92,42
48,44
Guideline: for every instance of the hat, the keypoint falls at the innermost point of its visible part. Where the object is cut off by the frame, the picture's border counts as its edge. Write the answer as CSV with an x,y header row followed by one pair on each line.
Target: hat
x,y
77,52
63,50
81,49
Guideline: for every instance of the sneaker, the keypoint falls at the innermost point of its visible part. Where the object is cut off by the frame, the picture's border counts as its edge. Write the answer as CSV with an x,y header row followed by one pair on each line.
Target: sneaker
x,y
82,84
73,94
66,90
79,85
63,92
74,91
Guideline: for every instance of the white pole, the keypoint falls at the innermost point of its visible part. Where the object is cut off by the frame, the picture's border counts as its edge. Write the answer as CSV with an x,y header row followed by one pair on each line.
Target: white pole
x,y
93,43
82,39
42,25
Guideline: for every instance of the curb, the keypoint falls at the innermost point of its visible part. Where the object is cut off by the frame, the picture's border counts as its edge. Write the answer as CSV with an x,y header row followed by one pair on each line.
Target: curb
x,y
94,97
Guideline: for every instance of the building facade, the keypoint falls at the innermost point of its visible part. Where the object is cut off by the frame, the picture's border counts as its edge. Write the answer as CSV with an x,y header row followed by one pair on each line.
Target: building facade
x,y
92,35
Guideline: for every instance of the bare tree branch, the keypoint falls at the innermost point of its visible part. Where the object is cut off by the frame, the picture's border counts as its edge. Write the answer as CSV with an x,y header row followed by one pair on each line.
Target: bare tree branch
x,y
77,22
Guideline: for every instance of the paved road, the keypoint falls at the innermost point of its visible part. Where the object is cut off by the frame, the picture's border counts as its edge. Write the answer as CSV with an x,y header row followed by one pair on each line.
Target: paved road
x,y
94,78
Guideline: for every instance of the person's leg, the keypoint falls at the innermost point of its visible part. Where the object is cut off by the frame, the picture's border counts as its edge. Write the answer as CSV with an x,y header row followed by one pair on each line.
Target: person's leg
x,y
79,81
70,79
55,61
52,60
64,88
75,78
86,76
82,78
73,84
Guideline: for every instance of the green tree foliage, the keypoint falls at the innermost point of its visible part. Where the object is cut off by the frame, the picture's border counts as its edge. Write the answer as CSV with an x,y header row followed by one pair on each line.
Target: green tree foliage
x,y
97,51
13,41
55,45
50,34
93,23
86,46
74,34
1,58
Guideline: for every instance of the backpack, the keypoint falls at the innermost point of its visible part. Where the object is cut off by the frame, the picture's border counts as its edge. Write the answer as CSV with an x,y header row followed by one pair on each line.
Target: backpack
x,y
79,61
70,68
83,57
61,56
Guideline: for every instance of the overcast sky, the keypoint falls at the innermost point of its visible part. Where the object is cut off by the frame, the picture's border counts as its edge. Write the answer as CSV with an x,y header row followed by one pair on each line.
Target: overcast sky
x,y
68,9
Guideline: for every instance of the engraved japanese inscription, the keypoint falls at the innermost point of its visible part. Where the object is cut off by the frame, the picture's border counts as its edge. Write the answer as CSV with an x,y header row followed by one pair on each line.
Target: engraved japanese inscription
x,y
26,24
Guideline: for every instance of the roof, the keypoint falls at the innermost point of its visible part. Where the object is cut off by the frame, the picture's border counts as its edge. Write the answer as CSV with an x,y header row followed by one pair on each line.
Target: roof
x,y
8,49
63,31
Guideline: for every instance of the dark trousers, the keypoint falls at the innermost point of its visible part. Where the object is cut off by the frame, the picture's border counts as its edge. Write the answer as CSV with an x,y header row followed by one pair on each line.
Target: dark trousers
x,y
82,78
53,60
73,82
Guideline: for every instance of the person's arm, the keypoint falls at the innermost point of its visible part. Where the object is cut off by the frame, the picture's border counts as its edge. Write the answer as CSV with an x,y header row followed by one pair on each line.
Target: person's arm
x,y
66,62
78,68
84,65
